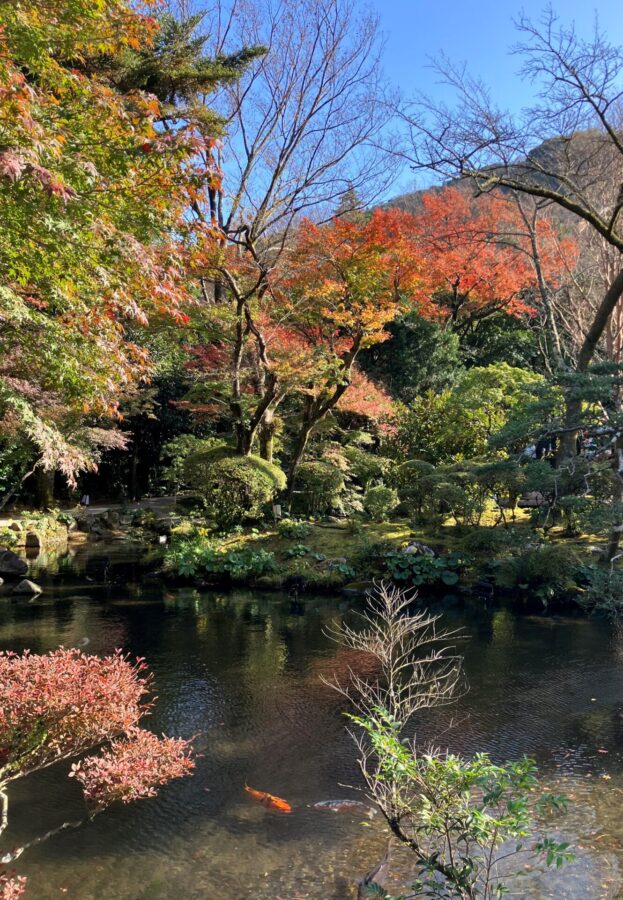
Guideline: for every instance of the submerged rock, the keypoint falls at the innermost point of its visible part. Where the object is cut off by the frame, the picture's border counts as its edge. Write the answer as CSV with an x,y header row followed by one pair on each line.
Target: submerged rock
x,y
337,806
27,587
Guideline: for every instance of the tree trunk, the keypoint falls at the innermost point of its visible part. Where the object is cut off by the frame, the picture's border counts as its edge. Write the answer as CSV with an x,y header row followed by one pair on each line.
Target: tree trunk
x,y
267,437
244,440
44,489
299,453
568,441
573,407
600,322
316,409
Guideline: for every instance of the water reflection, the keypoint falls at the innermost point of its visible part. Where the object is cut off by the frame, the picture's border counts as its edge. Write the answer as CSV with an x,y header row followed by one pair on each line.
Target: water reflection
x,y
243,670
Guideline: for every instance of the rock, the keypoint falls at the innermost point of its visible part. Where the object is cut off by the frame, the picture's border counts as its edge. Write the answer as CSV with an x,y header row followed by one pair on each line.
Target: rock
x,y
98,526
33,539
338,561
112,518
531,500
165,524
27,587
188,502
12,564
419,547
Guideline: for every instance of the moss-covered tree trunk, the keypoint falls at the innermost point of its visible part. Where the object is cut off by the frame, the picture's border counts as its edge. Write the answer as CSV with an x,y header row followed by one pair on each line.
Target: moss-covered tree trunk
x,y
267,436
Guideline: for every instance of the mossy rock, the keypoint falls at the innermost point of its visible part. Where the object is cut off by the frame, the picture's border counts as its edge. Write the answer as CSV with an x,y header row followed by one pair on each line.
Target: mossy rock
x,y
270,582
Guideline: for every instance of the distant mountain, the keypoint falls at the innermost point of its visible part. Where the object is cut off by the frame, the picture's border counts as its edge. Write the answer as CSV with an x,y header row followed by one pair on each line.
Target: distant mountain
x,y
580,157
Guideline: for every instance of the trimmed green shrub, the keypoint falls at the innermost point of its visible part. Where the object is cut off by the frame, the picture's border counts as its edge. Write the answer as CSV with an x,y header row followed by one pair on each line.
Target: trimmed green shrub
x,y
320,485
177,451
484,540
460,495
379,502
546,571
234,488
415,481
366,468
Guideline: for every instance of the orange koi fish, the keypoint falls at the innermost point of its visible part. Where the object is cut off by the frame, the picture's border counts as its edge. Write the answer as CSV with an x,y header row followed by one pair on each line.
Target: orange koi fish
x,y
269,800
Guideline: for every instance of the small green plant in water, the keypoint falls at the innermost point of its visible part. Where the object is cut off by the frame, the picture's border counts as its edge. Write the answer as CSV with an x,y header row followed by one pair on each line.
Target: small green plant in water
x,y
460,816
471,824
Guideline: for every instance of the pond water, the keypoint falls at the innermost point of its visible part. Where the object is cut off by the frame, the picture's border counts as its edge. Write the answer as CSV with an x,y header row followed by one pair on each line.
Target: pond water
x,y
243,670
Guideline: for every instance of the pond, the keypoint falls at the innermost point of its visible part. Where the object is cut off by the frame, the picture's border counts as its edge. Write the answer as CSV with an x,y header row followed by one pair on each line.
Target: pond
x,y
242,670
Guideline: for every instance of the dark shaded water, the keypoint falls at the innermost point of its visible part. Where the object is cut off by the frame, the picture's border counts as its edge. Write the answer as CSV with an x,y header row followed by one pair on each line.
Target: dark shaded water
x,y
243,669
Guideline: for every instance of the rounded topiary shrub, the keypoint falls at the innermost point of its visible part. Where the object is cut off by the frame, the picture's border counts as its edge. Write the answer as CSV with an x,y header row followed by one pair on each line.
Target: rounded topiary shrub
x,y
415,481
234,488
366,467
379,502
318,486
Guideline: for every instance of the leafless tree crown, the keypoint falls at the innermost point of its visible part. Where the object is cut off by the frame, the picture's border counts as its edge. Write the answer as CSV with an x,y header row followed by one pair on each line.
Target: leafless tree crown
x,y
303,122
567,148
416,664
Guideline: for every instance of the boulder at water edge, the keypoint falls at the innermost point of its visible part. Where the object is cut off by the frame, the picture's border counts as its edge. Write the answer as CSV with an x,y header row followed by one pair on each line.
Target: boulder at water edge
x,y
12,564
33,539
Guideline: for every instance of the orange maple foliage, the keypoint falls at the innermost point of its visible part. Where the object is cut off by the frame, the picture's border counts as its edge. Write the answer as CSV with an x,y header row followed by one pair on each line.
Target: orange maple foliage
x,y
353,278
478,257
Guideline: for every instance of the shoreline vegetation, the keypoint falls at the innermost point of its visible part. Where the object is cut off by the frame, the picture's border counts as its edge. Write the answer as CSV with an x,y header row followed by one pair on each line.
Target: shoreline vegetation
x,y
514,563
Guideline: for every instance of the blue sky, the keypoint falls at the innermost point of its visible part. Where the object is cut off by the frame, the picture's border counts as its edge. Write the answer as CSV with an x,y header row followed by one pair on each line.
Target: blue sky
x,y
478,32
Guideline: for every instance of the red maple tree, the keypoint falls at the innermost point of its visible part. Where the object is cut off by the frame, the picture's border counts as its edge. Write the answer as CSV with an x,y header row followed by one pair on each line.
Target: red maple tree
x,y
60,705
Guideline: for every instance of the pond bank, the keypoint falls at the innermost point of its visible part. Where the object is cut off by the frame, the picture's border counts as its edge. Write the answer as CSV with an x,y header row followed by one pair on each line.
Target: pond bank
x,y
512,564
